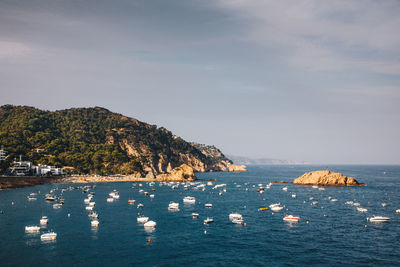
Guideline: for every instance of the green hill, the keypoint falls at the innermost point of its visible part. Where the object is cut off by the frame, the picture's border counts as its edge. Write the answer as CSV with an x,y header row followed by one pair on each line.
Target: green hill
x,y
97,141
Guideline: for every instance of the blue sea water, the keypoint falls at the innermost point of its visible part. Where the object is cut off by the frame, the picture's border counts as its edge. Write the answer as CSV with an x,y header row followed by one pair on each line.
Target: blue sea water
x,y
328,234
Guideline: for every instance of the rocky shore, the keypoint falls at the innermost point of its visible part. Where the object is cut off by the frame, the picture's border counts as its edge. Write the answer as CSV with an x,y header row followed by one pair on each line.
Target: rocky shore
x,y
9,182
326,178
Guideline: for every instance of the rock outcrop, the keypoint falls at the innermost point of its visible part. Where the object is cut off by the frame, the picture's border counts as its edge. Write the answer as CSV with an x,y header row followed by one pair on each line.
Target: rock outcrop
x,y
237,168
182,173
326,177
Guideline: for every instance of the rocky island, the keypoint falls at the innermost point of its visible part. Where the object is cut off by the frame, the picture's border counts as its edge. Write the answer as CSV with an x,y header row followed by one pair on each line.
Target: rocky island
x,y
325,178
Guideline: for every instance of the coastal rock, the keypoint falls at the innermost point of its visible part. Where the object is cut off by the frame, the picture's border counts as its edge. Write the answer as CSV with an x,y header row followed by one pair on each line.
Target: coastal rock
x,y
182,173
325,178
237,168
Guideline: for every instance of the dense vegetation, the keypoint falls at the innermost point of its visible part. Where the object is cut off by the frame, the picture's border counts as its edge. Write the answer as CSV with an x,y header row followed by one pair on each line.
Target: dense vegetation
x,y
90,140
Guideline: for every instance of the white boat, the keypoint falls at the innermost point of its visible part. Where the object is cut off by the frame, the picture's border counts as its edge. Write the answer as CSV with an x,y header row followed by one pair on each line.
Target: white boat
x,y
92,204
142,219
285,188
93,215
235,215
32,198
398,211
151,196
131,201
32,229
116,196
48,236
150,224
349,202
89,208
189,200
173,206
378,219
57,206
94,223
333,199
321,188
362,209
50,198
293,195
44,220
86,200
208,220
275,205
208,205
110,199
315,186
291,218
195,215
238,221
276,208
384,204
314,203
140,205
356,204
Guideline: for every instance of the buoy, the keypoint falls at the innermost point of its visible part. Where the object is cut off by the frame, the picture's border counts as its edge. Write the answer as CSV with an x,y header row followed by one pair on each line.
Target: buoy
x,y
205,231
245,224
12,203
307,221
149,240
69,215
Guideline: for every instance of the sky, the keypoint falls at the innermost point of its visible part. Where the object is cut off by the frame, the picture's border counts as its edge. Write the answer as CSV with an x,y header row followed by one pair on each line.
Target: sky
x,y
315,81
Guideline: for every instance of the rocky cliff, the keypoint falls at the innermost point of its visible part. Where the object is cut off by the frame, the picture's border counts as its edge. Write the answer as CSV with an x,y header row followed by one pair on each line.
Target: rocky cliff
x,y
182,173
326,178
98,141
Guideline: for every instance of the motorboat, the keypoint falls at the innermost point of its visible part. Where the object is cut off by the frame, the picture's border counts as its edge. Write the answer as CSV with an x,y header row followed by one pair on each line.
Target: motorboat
x,y
349,202
115,196
48,236
86,200
131,201
32,198
91,204
291,218
140,205
360,209
333,199
173,206
142,219
398,211
57,206
189,200
238,221
293,195
378,219
262,209
314,203
94,223
274,205
235,215
44,220
208,220
89,207
384,204
93,215
285,188
32,229
276,208
110,199
208,205
195,215
151,196
150,224
50,198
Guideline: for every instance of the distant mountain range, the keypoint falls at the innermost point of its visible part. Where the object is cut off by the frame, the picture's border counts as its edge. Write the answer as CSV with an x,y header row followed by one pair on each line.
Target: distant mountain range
x,y
264,161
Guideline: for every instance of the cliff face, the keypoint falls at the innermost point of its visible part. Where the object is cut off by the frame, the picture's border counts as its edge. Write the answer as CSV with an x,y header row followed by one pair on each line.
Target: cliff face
x,y
182,173
327,178
95,140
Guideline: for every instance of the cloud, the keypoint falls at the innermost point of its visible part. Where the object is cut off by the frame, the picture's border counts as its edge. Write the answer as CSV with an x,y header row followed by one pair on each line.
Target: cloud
x,y
325,35
13,49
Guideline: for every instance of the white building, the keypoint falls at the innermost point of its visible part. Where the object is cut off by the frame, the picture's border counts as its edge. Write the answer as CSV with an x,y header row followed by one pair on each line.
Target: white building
x,y
45,170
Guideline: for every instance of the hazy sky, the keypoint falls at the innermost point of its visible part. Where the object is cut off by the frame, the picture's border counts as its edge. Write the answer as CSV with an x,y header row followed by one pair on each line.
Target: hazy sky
x,y
316,81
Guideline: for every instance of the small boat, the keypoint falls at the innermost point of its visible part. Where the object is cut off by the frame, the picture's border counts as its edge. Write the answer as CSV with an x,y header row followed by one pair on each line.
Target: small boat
x,y
208,205
314,203
362,209
349,202
356,204
32,198
48,236
142,219
238,221
235,215
151,196
91,204
384,204
208,220
50,198
150,224
378,219
57,206
293,195
291,218
262,209
44,220
274,205
195,215
315,186
93,215
173,206
131,201
333,199
110,199
116,196
276,208
32,229
89,208
94,223
321,188
189,200
398,211
285,188
86,200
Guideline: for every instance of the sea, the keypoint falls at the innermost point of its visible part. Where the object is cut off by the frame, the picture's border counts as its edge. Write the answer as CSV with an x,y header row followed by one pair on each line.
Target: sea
x,y
329,233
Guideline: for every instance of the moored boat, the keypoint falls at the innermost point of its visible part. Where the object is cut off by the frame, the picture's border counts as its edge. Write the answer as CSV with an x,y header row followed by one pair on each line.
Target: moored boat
x,y
32,229
378,219
208,220
291,218
48,236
